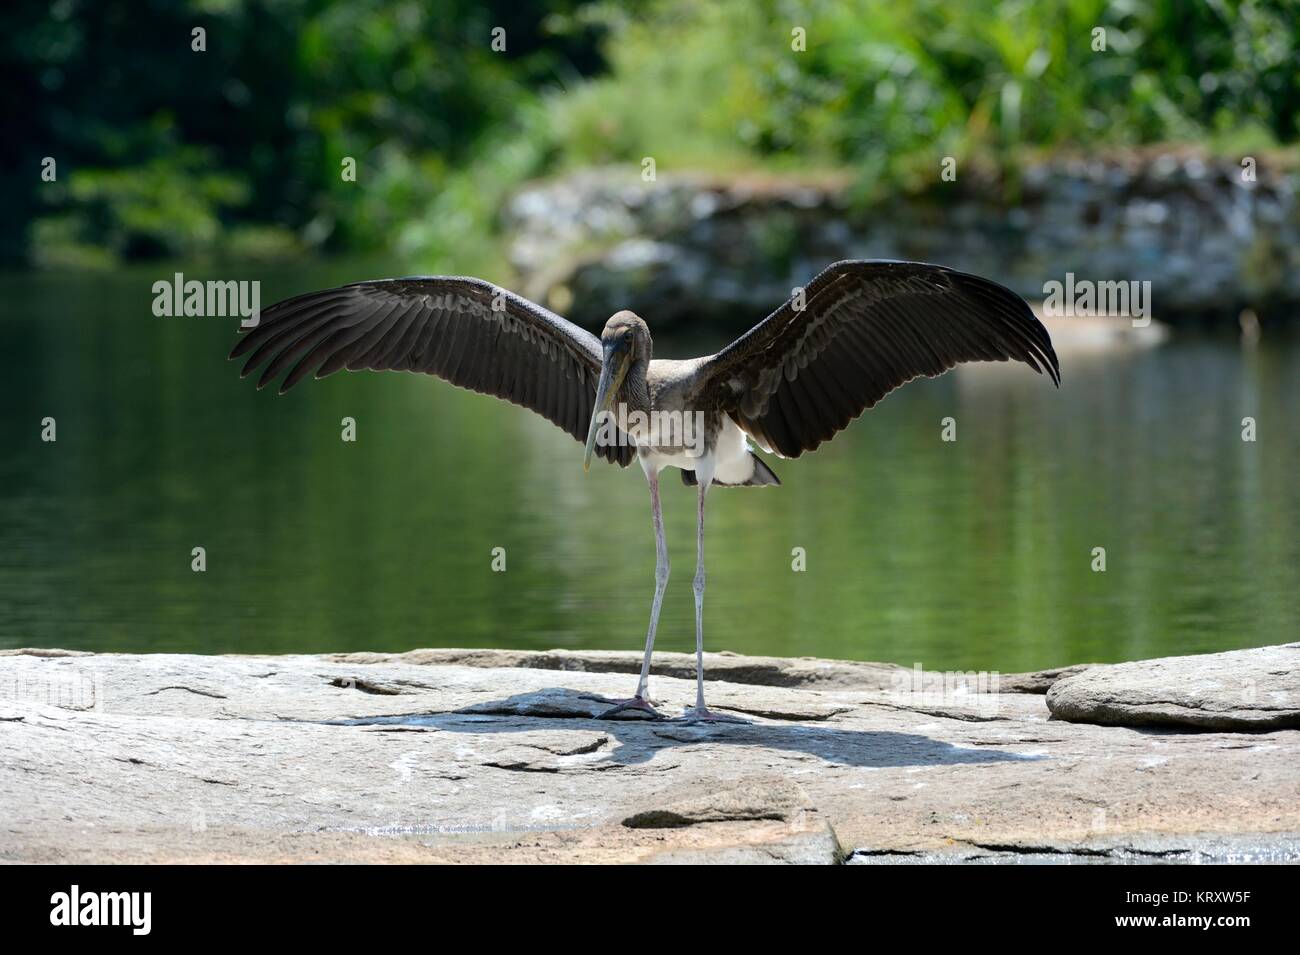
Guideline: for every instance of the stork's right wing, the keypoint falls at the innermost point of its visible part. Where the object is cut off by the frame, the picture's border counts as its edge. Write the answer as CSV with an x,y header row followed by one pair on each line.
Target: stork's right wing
x,y
464,330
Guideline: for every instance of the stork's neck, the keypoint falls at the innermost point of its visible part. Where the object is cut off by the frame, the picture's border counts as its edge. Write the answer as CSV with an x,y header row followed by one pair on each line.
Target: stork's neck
x,y
635,392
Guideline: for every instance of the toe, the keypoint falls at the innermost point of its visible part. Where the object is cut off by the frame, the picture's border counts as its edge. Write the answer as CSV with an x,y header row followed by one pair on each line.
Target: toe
x,y
634,709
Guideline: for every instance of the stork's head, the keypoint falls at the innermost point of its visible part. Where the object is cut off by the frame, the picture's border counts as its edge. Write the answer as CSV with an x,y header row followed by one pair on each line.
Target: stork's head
x,y
625,332
625,340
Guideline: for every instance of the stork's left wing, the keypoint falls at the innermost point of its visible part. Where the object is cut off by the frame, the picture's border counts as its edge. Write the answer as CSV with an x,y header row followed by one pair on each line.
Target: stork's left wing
x,y
866,327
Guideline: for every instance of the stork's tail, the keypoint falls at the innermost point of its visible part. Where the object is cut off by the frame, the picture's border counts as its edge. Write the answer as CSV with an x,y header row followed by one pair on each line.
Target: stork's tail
x,y
763,475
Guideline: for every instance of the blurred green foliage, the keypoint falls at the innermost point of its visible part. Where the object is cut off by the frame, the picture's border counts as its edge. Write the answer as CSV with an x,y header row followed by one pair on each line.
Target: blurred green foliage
x,y
237,150
886,87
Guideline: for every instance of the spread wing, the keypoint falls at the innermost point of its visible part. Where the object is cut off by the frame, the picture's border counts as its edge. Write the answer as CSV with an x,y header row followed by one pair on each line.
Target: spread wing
x,y
464,330
866,327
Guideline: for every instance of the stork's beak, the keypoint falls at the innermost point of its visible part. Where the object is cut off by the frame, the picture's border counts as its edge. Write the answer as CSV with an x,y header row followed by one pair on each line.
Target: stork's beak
x,y
612,372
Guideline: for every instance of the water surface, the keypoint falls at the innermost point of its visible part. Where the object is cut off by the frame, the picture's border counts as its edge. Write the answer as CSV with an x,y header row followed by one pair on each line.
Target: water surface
x,y
974,554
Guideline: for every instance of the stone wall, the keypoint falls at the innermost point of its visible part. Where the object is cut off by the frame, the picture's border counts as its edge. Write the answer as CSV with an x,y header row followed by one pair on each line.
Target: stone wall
x,y
695,247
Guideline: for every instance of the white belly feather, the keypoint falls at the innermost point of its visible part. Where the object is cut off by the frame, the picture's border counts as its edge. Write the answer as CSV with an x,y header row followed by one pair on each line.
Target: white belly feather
x,y
728,462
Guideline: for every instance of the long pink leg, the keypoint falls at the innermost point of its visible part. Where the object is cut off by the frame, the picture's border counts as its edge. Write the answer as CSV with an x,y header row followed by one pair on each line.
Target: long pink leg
x,y
642,699
701,713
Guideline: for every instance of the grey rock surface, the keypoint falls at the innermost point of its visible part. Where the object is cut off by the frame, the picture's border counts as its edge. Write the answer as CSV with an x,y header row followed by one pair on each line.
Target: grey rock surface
x,y
1255,689
426,757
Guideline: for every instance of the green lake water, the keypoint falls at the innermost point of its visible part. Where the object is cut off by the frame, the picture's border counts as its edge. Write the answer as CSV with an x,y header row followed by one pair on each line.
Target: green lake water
x,y
974,554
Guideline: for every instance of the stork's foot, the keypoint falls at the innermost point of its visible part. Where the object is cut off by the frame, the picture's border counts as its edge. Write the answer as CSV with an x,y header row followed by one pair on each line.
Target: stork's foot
x,y
637,706
702,714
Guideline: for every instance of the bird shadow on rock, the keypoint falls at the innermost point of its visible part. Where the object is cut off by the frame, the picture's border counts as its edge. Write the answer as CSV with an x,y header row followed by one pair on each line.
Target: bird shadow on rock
x,y
640,740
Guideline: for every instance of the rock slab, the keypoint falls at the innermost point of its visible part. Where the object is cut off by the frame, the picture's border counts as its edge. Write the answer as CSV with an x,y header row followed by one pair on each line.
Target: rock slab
x,y
1246,690
476,756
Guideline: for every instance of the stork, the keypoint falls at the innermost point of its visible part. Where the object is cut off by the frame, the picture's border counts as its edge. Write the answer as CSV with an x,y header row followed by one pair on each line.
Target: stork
x,y
856,332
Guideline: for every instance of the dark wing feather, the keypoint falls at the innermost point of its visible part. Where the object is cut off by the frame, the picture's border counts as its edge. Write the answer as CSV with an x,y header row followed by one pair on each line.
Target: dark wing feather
x,y
800,376
464,330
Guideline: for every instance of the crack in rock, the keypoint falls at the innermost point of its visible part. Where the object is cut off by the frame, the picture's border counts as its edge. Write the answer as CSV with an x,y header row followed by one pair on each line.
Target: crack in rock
x,y
1012,742
963,715
579,750
522,766
365,686
399,728
1109,852
802,715
212,694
